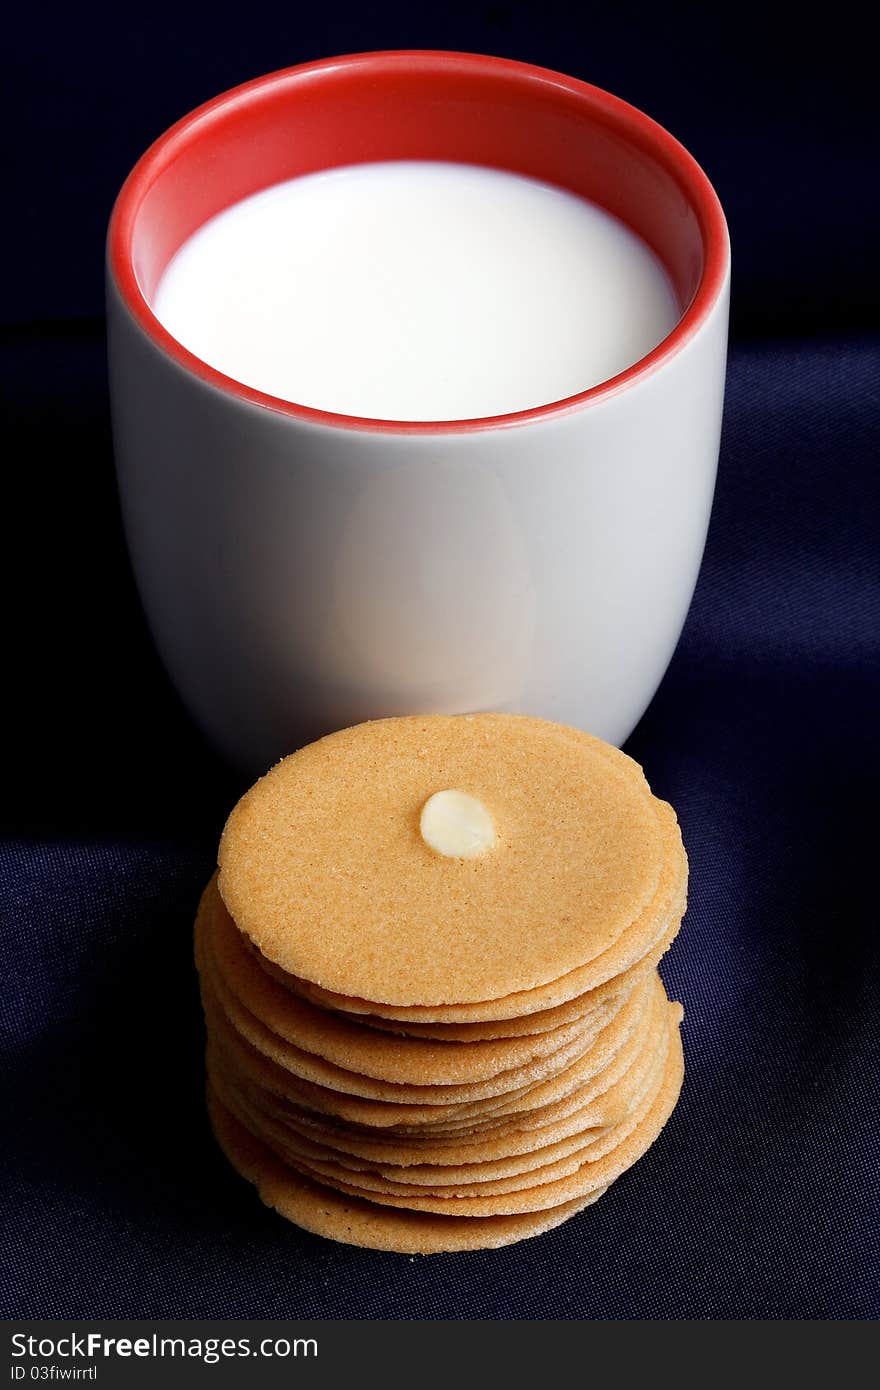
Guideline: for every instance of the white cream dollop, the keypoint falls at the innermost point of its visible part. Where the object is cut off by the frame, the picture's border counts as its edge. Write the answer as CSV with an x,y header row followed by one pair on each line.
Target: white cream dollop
x,y
457,825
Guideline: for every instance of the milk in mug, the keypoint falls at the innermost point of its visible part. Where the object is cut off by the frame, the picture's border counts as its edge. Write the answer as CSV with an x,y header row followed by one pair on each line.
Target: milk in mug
x,y
417,290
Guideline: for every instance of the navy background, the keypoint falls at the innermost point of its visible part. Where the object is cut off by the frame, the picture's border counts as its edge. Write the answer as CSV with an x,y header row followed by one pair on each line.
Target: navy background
x,y
758,1199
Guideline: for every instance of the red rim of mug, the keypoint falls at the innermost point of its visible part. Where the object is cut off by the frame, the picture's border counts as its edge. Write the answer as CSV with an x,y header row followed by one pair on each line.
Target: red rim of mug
x,y
520,79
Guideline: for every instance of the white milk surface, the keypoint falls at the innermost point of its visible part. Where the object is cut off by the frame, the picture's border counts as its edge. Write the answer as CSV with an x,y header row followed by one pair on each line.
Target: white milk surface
x,y
416,291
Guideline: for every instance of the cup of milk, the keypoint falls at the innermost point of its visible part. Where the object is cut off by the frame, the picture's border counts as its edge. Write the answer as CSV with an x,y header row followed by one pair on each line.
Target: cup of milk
x,y
417,365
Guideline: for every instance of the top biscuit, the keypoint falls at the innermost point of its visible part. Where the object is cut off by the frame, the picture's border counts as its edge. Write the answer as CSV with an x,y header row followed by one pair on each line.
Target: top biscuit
x,y
323,864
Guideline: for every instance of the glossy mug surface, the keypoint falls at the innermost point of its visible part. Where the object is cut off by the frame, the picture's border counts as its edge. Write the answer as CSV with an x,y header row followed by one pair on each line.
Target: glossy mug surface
x,y
303,570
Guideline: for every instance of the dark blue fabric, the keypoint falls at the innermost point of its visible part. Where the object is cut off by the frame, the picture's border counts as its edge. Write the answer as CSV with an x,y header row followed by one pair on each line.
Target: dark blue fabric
x,y
756,1201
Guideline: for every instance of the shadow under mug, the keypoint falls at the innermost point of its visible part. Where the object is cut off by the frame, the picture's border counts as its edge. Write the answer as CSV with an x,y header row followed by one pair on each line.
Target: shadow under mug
x,y
302,571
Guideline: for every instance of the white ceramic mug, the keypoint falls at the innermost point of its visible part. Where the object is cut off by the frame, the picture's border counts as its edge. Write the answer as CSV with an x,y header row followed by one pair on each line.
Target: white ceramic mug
x,y
302,571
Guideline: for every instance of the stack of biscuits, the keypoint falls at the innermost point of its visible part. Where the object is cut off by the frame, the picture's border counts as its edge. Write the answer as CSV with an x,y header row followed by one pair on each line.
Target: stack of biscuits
x,y
428,965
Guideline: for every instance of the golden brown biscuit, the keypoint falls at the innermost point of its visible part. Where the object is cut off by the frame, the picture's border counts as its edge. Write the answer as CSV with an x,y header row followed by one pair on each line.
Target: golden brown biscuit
x,y
401,1024
327,1213
584,1005
367,1051
588,1178
513,1134
310,1067
657,926
313,857
442,1028
560,1158
243,1058
555,1159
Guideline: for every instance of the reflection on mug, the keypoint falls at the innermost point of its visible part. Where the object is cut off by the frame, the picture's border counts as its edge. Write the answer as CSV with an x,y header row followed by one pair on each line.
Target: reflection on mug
x,y
432,604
